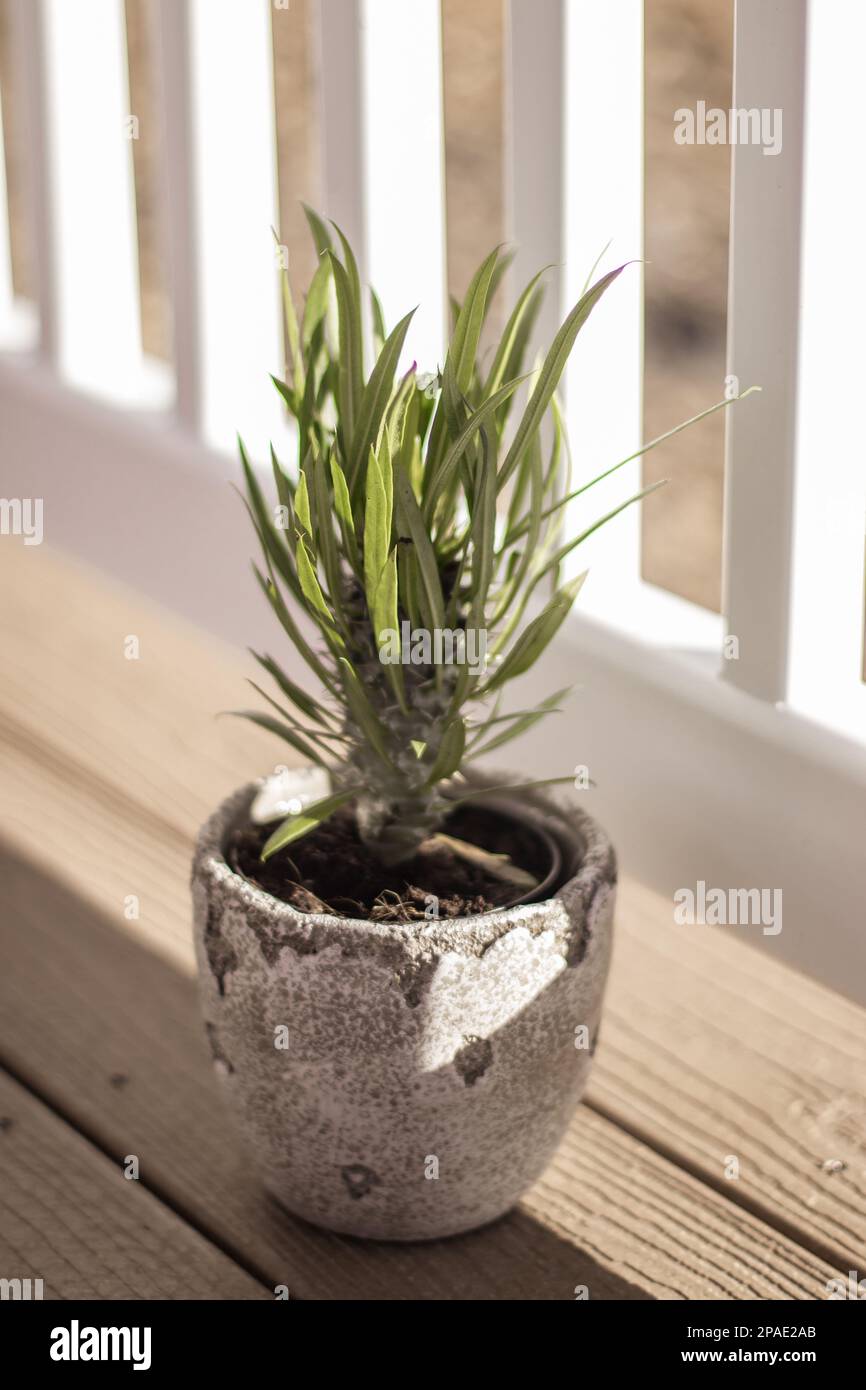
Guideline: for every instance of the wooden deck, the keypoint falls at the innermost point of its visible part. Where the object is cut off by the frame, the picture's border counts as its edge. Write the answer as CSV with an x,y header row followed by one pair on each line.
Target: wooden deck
x,y
709,1050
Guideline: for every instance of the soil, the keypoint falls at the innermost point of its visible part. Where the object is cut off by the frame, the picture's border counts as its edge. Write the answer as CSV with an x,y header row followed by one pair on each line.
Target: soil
x,y
330,870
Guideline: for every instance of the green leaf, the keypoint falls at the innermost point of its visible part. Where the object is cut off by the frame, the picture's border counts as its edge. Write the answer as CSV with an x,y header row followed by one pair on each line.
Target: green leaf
x,y
517,531
254,492
551,371
306,415
409,577
402,410
385,598
351,268
450,754
327,541
418,748
380,332
374,402
440,477
287,718
377,527
524,310
536,636
520,722
350,365
291,320
512,588
594,267
343,508
413,523
584,535
510,787
312,590
287,394
282,730
302,504
296,826
354,279
275,545
321,235
298,697
404,453
505,261
317,302
483,530
363,712
342,505
460,362
384,613
275,599
284,484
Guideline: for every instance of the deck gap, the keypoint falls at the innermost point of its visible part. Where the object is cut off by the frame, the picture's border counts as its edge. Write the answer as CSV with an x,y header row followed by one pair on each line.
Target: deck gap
x,y
177,1208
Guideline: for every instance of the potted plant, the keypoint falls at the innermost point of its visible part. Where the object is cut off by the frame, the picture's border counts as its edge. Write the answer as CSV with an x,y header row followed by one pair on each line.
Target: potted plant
x,y
402,963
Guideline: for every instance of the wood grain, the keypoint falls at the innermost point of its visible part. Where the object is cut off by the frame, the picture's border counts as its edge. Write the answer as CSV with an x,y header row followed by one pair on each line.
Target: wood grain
x,y
69,1217
717,1052
710,1050
110,1035
148,728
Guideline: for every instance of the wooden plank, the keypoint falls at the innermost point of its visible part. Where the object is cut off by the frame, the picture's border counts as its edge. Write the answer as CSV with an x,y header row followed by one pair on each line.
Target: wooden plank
x,y
110,1033
715,1051
61,627
100,852
710,1049
69,1217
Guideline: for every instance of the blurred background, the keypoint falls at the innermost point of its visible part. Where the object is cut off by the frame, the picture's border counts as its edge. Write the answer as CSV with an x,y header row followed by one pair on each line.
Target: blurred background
x,y
688,57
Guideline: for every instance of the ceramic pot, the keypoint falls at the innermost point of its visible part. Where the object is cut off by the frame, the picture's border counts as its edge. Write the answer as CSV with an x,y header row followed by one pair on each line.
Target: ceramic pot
x,y
405,1081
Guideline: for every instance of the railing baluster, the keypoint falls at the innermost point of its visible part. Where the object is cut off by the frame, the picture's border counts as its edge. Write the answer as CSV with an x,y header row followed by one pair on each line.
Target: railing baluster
x,y
830,479
227,278
763,316
177,186
603,202
7,293
403,125
91,198
342,137
28,38
381,84
534,168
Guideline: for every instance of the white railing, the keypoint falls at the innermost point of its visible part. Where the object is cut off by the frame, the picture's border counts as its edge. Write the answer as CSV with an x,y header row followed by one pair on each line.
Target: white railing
x,y
705,767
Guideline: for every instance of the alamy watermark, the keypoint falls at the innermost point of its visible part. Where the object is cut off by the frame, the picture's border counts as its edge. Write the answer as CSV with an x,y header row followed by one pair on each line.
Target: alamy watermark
x,y
739,126
21,1290
729,907
852,1288
22,516
77,1343
438,646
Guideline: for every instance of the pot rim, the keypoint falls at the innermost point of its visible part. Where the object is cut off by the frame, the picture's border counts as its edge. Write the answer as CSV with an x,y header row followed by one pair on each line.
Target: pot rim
x,y
581,839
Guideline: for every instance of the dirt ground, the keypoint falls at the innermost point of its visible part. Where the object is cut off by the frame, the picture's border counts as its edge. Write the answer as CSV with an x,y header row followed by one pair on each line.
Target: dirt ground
x,y
688,58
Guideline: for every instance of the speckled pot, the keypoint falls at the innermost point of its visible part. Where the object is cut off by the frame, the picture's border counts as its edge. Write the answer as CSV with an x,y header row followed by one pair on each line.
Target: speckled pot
x,y
404,1082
